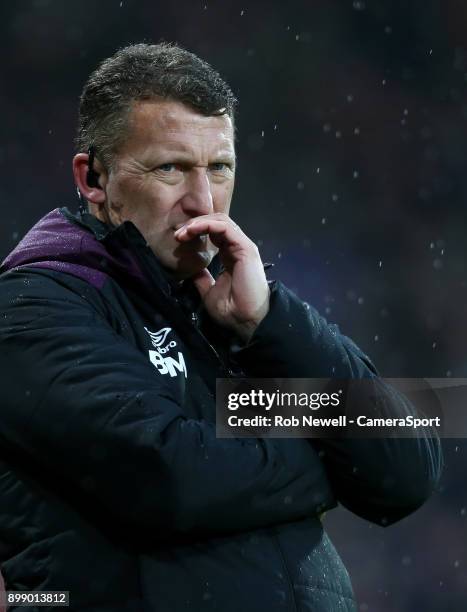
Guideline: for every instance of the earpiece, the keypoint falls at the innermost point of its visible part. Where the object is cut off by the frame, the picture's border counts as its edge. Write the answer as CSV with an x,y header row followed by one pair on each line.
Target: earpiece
x,y
92,177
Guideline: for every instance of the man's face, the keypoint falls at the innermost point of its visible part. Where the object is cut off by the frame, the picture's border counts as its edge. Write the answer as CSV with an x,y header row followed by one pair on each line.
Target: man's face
x,y
175,164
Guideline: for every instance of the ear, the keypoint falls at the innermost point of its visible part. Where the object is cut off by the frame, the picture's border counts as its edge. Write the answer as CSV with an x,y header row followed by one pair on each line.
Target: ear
x,y
94,195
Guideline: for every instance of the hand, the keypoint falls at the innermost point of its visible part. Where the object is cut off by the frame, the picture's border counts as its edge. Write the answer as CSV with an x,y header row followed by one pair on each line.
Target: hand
x,y
239,297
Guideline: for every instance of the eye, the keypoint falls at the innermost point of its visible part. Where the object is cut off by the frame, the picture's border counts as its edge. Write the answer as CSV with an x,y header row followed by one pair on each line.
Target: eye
x,y
220,167
168,167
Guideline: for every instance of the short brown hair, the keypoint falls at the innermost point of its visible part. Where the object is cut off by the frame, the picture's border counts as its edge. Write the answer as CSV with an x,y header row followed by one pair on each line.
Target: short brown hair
x,y
139,72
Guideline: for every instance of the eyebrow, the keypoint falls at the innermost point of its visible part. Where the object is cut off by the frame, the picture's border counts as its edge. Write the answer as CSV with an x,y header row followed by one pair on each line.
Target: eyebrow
x,y
179,157
182,149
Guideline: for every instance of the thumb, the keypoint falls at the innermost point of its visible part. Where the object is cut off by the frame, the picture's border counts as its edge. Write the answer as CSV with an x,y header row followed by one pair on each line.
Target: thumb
x,y
203,281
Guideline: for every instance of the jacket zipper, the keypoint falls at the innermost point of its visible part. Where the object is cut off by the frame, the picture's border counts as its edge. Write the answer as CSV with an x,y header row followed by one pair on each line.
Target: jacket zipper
x,y
195,321
273,535
288,579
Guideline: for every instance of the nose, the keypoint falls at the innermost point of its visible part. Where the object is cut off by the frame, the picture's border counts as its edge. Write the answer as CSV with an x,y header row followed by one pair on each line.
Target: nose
x,y
197,199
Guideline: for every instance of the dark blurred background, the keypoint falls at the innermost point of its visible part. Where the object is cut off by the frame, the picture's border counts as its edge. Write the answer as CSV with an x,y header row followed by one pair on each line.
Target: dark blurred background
x,y
352,150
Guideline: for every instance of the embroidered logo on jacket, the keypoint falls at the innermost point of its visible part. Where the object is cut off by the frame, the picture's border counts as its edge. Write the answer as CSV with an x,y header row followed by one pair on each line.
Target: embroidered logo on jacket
x,y
165,364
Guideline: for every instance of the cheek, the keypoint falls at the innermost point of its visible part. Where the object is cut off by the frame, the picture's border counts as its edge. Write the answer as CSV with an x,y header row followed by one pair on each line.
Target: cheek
x,y
143,201
123,194
129,188
221,196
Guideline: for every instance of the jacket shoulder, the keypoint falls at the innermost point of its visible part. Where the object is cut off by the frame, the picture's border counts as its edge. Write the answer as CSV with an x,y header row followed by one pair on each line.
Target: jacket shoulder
x,y
41,285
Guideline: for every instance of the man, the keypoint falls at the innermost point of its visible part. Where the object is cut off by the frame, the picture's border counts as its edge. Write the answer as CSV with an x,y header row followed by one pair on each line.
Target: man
x,y
115,324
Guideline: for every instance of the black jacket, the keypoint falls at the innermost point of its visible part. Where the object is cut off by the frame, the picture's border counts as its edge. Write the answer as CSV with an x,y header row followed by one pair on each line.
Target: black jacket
x,y
113,485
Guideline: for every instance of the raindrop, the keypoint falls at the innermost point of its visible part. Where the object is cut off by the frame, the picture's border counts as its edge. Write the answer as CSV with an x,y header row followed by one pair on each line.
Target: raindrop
x,y
456,563
437,264
430,52
241,13
323,221
356,131
255,142
432,245
335,197
355,174
448,373
338,134
388,30
433,345
376,338
279,255
317,170
361,300
383,81
380,264
350,98
262,133
358,5
327,127
300,185
463,511
406,561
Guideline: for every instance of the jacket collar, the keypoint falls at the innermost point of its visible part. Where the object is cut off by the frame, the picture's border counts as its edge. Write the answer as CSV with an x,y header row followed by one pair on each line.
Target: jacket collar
x,y
82,245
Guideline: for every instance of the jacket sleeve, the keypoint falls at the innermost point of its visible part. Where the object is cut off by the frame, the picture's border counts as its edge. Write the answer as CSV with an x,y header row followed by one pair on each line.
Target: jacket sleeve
x,y
87,408
382,480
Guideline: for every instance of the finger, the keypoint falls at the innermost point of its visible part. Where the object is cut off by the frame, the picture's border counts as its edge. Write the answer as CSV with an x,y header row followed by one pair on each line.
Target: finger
x,y
203,281
220,232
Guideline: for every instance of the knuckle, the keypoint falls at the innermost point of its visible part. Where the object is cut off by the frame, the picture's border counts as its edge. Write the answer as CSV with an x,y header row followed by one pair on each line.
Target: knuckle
x,y
226,219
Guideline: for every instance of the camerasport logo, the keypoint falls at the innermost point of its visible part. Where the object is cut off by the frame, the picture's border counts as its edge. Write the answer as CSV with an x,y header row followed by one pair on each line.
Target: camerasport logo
x,y
164,363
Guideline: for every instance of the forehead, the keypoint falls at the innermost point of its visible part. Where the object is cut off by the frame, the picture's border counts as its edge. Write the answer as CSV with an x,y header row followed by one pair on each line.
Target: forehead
x,y
174,125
